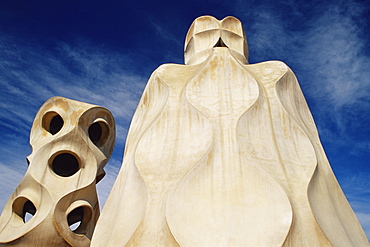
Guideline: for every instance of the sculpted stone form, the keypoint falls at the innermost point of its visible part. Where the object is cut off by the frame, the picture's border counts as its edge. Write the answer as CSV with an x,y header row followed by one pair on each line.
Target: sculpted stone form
x,y
225,153
71,143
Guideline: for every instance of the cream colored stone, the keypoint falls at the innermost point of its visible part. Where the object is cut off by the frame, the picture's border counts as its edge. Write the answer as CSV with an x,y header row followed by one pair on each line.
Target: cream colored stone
x,y
71,143
223,153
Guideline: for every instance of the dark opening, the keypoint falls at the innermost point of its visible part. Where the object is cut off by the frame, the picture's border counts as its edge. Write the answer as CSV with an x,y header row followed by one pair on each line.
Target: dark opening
x,y
95,132
75,219
99,177
29,210
220,43
65,165
56,124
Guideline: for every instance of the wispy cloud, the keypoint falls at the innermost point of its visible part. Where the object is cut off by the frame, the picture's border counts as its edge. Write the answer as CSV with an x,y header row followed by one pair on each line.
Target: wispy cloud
x,y
85,73
269,35
335,49
166,34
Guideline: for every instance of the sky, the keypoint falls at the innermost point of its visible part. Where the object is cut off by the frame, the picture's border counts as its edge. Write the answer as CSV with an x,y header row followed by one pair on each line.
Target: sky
x,y
103,52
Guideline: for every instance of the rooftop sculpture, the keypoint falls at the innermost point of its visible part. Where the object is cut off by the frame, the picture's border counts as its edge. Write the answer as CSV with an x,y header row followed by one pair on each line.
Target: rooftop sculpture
x,y
71,143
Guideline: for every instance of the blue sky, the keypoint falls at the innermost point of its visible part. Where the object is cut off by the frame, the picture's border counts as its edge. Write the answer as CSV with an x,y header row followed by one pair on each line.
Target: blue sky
x,y
103,52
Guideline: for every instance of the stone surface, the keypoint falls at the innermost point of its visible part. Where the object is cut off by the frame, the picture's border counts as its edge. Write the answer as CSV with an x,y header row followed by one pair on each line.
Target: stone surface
x,y
225,153
71,143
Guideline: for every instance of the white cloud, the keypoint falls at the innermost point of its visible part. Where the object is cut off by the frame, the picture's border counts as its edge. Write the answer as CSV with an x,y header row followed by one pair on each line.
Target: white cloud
x,y
97,76
269,34
165,33
336,53
333,52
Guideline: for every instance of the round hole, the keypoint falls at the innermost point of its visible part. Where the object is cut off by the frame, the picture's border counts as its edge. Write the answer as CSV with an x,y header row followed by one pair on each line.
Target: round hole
x,y
78,219
65,164
52,122
24,209
98,133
